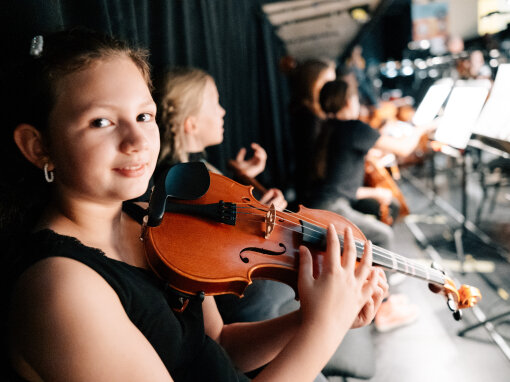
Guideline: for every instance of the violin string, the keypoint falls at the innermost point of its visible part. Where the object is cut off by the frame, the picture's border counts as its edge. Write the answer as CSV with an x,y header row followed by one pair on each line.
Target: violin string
x,y
381,252
359,244
404,264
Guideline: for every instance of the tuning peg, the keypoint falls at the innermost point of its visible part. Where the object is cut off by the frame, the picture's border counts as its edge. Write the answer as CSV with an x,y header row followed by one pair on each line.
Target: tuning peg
x,y
437,266
452,305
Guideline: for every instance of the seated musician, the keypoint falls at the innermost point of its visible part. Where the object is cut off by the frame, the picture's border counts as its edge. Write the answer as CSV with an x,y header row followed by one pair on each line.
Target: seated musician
x,y
306,116
341,148
191,119
84,304
340,157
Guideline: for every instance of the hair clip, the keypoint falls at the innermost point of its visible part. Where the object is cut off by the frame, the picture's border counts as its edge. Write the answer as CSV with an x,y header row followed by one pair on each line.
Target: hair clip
x,y
36,46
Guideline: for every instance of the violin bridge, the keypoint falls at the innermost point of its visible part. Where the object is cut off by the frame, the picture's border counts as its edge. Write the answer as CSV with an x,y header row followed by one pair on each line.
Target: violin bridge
x,y
270,221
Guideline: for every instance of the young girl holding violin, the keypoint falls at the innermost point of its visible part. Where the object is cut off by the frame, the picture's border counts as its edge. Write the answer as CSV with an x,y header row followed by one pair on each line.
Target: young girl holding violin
x,y
84,306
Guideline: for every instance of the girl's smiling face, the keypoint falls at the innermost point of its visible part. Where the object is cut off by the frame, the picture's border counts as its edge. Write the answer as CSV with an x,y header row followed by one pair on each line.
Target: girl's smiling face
x,y
103,140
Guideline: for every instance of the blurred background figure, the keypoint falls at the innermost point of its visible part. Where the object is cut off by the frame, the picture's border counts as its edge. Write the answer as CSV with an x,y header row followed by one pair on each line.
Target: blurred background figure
x,y
306,116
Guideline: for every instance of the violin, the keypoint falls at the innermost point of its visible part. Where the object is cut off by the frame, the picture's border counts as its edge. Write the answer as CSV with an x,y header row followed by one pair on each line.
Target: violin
x,y
377,176
210,236
392,111
399,109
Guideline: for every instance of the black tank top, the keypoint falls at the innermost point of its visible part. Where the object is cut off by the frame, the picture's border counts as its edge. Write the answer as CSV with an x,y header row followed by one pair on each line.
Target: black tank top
x,y
179,338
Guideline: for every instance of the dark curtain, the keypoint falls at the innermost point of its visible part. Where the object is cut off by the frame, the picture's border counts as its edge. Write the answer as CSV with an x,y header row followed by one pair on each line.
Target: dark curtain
x,y
230,39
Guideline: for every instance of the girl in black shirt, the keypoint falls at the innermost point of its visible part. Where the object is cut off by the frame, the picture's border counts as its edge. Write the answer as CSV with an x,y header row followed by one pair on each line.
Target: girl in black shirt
x,y
339,158
84,305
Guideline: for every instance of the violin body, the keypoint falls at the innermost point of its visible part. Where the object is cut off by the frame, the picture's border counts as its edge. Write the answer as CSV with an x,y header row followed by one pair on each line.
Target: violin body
x,y
377,176
202,255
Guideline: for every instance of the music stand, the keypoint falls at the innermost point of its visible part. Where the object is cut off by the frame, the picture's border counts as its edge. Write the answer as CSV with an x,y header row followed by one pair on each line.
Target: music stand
x,y
454,131
493,130
429,107
494,120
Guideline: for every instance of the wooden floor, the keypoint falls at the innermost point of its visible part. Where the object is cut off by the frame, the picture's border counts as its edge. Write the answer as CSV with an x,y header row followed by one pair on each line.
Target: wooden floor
x,y
431,349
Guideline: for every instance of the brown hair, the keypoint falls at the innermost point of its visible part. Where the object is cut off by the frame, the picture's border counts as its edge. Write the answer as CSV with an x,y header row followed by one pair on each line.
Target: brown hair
x,y
334,95
64,53
303,80
333,98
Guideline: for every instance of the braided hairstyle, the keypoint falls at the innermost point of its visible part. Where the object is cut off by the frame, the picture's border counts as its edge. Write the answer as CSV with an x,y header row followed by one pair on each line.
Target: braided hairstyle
x,y
180,96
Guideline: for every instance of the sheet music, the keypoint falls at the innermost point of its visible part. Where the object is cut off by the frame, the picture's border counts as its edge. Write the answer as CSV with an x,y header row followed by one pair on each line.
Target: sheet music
x,y
460,115
431,104
494,120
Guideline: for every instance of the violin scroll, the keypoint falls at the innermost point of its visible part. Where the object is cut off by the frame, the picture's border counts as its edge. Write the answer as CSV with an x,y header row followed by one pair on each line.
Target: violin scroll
x,y
468,296
464,297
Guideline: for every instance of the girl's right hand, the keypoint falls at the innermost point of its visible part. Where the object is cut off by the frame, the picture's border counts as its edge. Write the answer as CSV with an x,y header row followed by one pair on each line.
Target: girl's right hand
x,y
256,164
333,290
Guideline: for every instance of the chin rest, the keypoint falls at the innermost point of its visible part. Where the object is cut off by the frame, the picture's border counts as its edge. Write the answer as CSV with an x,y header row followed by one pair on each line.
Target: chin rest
x,y
185,181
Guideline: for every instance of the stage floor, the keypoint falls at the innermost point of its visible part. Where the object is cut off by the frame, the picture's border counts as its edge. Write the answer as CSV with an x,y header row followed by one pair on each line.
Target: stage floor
x,y
431,349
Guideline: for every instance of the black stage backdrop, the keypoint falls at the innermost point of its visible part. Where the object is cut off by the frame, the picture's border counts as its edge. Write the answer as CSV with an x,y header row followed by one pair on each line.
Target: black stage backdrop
x,y
230,39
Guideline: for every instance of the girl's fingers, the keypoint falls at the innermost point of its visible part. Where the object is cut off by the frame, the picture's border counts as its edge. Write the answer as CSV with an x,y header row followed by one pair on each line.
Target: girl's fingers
x,y
382,274
371,285
383,283
332,257
379,286
259,150
365,264
349,250
240,155
305,267
268,197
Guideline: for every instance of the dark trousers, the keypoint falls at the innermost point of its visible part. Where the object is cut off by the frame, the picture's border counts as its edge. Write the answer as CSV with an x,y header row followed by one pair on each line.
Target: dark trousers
x,y
372,207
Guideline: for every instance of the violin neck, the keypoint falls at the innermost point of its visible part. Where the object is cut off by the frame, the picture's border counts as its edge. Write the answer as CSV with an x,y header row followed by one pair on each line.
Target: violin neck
x,y
316,236
400,264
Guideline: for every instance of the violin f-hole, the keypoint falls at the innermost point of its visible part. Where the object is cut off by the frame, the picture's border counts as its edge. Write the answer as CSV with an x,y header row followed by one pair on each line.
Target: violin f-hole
x,y
263,251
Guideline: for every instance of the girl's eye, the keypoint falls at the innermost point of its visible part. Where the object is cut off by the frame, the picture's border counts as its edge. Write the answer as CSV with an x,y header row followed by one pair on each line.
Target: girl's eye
x,y
101,122
144,117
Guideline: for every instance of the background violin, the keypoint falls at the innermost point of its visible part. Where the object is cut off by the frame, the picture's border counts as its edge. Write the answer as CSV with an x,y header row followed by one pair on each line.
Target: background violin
x,y
377,176
224,239
400,109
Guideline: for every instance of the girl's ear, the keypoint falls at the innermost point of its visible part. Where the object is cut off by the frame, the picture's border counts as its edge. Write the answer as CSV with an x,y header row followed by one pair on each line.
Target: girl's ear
x,y
30,143
189,125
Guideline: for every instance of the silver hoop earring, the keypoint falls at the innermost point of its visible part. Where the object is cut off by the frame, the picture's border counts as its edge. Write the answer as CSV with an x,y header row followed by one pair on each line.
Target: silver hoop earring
x,y
48,175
